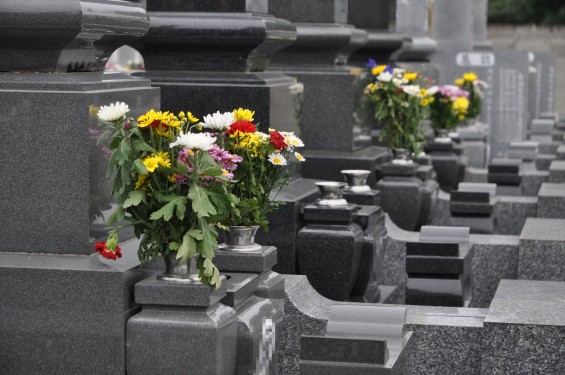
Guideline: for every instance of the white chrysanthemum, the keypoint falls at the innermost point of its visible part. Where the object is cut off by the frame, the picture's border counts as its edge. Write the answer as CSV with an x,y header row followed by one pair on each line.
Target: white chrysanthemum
x,y
293,141
263,136
194,141
218,121
413,90
433,90
398,71
277,159
399,81
384,77
113,112
299,156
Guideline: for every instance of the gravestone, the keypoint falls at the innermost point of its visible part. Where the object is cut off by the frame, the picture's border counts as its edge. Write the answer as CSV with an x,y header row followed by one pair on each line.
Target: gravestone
x,y
211,56
377,18
505,173
448,163
557,171
412,21
480,13
551,200
543,85
63,311
331,90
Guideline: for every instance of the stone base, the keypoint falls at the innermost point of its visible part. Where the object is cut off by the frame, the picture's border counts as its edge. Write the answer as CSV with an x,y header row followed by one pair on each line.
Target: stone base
x,y
551,200
542,250
63,314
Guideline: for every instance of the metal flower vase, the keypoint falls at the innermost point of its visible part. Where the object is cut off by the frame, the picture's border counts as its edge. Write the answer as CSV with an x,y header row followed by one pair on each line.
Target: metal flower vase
x,y
175,271
240,238
356,180
331,193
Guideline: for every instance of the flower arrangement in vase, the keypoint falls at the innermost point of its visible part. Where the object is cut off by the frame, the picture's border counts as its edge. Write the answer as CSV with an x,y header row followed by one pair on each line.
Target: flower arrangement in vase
x,y
471,83
448,107
399,104
171,183
262,159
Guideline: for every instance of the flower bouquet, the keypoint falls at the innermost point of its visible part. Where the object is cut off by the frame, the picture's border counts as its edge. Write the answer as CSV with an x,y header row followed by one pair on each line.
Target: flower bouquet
x,y
261,159
399,104
171,182
470,82
448,107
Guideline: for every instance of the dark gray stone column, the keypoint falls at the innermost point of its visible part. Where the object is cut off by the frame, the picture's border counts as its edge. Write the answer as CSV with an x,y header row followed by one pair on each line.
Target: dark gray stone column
x,y
336,133
63,310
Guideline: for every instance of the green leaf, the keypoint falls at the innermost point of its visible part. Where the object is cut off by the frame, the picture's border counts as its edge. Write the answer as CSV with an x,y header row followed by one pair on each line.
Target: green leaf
x,y
103,137
122,152
140,167
140,145
200,202
134,198
209,241
216,281
206,163
208,268
196,234
187,249
174,246
166,212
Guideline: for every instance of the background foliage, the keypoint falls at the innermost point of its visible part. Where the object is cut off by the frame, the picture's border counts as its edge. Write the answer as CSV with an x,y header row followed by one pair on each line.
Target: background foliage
x,y
540,12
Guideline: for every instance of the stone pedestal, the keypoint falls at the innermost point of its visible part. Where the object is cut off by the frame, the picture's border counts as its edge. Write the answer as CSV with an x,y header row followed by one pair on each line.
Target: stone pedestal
x,y
405,197
181,328
259,327
211,57
286,221
329,249
475,145
448,163
474,209
260,262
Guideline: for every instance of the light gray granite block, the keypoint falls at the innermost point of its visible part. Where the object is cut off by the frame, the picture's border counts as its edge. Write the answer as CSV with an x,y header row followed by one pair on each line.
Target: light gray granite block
x,y
511,213
542,250
532,180
445,340
551,200
495,258
524,329
557,171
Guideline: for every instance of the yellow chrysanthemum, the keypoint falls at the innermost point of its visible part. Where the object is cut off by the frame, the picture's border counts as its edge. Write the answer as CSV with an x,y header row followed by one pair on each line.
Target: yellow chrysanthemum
x,y
460,105
461,117
378,70
164,159
191,117
243,114
470,77
425,102
459,82
410,76
147,119
140,180
371,87
151,162
181,114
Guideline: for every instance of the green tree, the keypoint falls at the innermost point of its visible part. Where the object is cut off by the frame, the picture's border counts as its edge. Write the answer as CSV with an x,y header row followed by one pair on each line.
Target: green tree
x,y
540,12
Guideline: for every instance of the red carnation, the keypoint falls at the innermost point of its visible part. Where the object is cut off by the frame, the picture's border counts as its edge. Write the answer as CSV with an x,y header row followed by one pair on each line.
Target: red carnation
x,y
399,90
277,140
242,126
101,248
